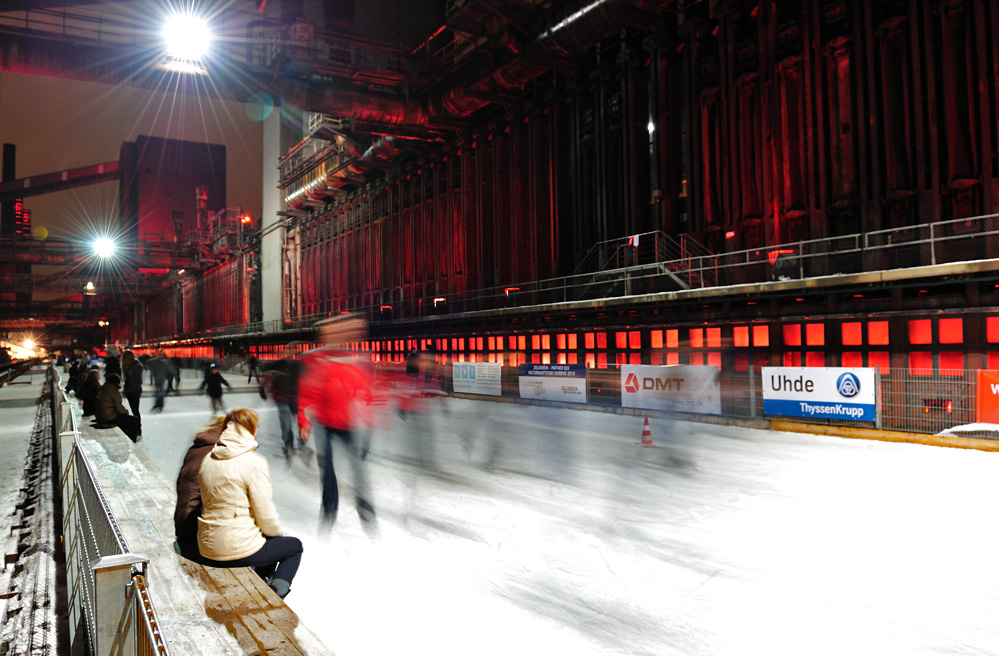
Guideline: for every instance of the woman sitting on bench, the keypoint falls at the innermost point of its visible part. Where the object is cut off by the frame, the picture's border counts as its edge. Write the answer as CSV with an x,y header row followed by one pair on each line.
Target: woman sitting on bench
x,y
109,411
238,526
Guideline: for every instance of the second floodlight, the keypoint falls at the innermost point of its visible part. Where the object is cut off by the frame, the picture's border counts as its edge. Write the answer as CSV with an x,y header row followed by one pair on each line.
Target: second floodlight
x,y
104,247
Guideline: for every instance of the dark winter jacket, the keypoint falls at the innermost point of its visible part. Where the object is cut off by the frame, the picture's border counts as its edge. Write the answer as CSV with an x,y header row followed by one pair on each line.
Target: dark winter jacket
x,y
281,383
108,405
185,517
133,379
214,383
88,395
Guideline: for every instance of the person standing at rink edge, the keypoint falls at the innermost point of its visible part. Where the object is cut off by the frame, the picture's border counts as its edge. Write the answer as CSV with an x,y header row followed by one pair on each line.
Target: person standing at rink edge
x,y
334,396
132,370
239,526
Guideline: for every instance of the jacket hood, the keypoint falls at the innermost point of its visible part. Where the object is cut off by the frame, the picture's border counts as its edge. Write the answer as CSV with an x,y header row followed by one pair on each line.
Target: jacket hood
x,y
234,441
207,437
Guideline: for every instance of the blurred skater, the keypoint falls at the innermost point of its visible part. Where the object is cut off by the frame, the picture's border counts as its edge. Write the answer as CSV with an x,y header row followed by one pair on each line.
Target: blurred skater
x,y
239,526
251,365
334,396
188,510
280,384
213,383
161,370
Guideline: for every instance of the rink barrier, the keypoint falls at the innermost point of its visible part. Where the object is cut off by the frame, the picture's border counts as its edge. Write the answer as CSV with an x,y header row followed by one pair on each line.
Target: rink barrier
x,y
129,592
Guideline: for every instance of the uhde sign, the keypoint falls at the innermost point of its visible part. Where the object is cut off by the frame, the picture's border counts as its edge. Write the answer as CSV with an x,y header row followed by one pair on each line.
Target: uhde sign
x,y
679,388
820,392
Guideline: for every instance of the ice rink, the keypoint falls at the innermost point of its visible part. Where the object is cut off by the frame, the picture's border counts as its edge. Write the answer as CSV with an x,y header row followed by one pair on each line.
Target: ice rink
x,y
553,532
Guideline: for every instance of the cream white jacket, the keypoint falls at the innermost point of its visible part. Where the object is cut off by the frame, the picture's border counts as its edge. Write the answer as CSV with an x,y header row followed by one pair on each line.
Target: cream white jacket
x,y
238,498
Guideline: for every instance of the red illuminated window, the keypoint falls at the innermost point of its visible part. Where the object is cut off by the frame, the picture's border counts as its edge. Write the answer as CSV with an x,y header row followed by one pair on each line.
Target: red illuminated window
x,y
792,359
492,343
792,336
740,337
454,343
655,358
461,343
714,359
672,338
672,358
546,358
853,335
951,363
601,340
591,361
761,335
521,342
573,359
546,342
536,342
696,338
697,358
620,358
853,359
993,360
742,362
921,363
513,360
635,339
992,330
877,333
572,341
879,359
815,334
714,337
589,342
536,358
815,359
920,331
601,360
634,358
621,340
561,358
951,332
656,339
560,341
478,344
512,341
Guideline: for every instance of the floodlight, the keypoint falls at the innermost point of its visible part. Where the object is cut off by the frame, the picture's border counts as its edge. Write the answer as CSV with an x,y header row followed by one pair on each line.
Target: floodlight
x,y
187,37
104,247
29,343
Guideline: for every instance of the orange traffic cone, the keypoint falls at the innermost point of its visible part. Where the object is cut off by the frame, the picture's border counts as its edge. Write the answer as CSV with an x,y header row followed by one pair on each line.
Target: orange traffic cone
x,y
647,434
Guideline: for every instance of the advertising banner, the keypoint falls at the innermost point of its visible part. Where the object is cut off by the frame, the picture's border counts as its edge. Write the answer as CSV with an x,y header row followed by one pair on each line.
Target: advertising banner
x,y
553,382
677,388
988,396
820,392
477,378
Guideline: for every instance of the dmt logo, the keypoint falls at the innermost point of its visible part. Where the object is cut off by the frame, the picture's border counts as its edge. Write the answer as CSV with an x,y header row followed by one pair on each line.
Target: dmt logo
x,y
631,383
848,385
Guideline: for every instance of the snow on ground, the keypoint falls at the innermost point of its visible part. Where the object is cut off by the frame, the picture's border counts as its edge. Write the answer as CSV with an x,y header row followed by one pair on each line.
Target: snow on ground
x,y
543,531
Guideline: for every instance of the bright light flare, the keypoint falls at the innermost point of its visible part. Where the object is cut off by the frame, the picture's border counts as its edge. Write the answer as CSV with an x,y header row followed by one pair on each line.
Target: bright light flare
x,y
29,344
187,37
104,247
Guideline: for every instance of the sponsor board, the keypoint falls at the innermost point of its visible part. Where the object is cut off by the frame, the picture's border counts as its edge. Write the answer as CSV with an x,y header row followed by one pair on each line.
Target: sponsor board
x,y
477,378
677,388
553,382
988,396
820,392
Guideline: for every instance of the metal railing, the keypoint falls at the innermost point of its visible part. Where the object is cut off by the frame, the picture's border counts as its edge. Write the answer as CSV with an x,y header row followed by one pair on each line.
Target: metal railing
x,y
109,609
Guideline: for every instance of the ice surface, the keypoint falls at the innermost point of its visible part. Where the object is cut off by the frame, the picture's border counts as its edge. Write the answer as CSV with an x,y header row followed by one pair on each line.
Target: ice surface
x,y
539,531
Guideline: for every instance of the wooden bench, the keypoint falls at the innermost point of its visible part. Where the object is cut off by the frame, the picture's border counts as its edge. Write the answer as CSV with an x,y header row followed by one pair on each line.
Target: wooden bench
x,y
201,610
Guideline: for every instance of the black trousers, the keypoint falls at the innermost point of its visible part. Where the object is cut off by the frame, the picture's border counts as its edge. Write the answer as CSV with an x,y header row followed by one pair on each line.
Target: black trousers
x,y
279,558
131,426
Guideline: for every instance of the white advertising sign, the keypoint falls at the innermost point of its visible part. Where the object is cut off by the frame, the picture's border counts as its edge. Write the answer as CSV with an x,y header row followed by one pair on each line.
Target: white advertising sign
x,y
820,392
677,388
553,382
477,378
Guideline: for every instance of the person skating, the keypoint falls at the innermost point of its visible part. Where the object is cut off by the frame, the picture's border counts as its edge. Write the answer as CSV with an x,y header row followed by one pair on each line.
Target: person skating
x,y
132,369
213,383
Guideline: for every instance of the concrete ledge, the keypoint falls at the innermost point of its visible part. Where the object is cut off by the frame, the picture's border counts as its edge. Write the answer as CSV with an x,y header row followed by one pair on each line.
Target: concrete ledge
x,y
887,436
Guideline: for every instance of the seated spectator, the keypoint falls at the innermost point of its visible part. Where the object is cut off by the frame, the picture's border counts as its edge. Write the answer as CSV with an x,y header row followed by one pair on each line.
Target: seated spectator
x,y
88,390
238,526
185,516
109,410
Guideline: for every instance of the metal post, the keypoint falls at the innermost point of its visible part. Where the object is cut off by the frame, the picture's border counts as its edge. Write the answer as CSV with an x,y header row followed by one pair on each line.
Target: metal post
x,y
752,391
114,618
933,247
877,397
